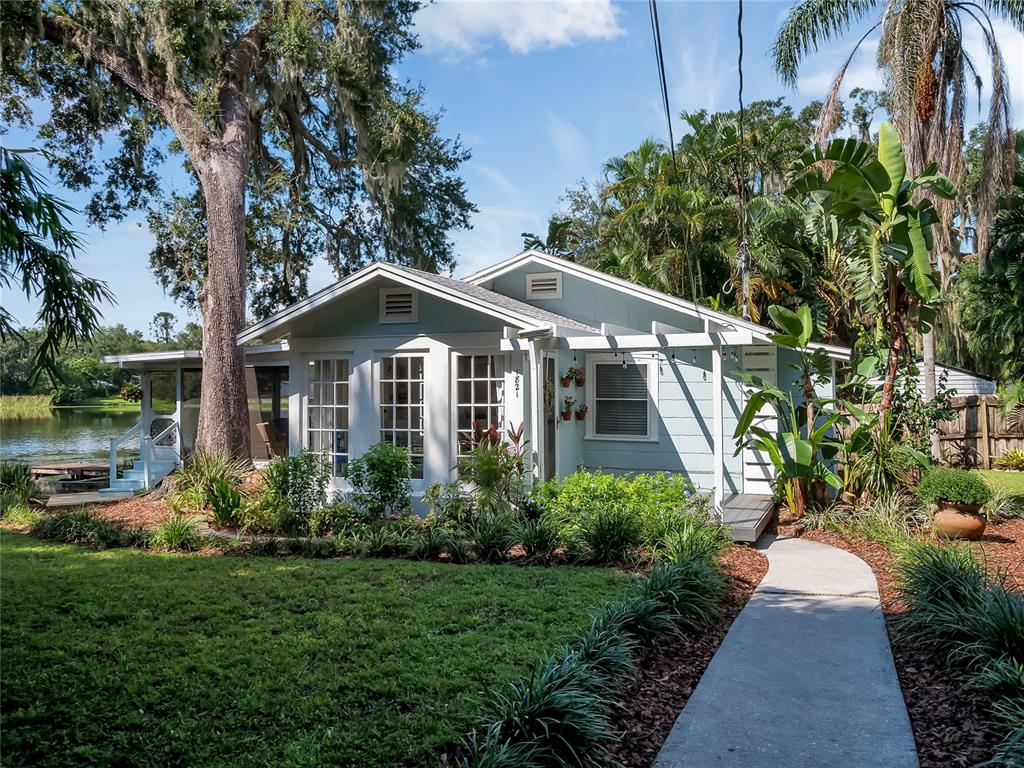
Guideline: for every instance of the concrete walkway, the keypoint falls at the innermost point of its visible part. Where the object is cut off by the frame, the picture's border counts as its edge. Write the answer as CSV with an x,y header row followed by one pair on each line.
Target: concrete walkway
x,y
804,678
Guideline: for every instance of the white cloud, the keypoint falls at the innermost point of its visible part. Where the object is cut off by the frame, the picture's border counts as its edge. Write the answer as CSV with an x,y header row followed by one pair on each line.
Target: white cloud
x,y
1011,43
863,72
569,143
463,26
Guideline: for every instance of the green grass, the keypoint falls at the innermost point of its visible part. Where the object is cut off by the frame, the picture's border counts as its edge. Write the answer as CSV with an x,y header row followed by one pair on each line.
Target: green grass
x,y
1007,482
124,657
25,406
106,403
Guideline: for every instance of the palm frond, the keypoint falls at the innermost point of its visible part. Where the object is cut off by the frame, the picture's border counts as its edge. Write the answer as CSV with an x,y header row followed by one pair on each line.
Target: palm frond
x,y
810,23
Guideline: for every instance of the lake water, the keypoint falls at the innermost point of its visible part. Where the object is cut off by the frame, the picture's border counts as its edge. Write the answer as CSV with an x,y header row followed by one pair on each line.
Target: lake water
x,y
70,433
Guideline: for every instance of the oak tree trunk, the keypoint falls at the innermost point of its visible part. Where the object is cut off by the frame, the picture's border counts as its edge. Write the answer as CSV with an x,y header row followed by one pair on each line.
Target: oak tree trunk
x,y
223,408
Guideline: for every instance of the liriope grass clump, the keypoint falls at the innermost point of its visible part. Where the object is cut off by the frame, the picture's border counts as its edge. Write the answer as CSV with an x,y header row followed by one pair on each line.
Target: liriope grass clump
x,y
957,606
82,526
562,713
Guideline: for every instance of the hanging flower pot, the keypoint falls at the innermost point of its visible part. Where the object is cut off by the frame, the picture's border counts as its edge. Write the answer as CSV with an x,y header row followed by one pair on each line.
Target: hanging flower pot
x,y
578,375
566,382
567,405
581,413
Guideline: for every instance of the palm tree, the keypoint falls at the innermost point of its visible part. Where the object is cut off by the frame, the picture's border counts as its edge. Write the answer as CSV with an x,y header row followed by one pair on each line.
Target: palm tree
x,y
921,51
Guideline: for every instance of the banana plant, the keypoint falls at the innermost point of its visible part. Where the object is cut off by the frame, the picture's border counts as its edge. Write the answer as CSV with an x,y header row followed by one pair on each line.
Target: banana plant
x,y
800,457
889,219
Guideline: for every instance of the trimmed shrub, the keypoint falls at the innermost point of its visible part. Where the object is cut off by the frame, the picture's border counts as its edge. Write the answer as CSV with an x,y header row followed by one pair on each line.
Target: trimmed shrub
x,y
262,513
180,532
333,518
957,486
380,480
300,481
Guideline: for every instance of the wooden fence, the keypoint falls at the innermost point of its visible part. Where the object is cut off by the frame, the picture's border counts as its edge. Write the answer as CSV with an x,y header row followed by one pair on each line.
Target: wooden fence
x,y
977,432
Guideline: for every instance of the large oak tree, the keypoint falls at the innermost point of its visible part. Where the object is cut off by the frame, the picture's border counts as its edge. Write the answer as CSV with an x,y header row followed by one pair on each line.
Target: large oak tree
x,y
290,120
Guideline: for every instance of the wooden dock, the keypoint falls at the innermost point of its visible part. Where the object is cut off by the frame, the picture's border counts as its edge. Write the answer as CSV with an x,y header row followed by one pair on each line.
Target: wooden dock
x,y
746,515
72,470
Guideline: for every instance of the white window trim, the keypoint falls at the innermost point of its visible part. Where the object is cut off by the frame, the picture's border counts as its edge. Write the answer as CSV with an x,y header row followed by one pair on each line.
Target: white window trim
x,y
546,275
304,416
414,314
652,397
378,363
453,408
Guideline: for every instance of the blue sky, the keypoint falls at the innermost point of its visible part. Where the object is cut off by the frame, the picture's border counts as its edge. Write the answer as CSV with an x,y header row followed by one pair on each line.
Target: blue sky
x,y
542,93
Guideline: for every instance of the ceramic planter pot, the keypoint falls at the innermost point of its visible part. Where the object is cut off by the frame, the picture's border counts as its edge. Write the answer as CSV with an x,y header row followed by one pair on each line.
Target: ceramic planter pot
x,y
580,382
581,415
959,521
566,415
566,382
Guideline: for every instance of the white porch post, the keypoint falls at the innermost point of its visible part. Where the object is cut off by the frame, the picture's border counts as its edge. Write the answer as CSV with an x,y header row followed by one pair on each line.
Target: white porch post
x,y
536,408
717,425
177,410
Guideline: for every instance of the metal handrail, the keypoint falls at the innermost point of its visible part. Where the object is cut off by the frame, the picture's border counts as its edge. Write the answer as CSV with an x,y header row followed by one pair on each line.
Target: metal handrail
x,y
115,442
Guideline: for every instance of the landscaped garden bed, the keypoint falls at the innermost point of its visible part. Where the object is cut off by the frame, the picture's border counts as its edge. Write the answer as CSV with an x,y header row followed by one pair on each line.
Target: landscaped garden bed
x,y
951,713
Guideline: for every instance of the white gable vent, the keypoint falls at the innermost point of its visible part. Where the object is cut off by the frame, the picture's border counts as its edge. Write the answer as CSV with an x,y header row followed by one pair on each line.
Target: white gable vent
x,y
399,305
544,285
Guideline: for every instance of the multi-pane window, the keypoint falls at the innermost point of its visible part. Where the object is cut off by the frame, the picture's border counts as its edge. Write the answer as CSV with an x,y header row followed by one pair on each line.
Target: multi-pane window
x,y
327,412
479,396
401,406
621,400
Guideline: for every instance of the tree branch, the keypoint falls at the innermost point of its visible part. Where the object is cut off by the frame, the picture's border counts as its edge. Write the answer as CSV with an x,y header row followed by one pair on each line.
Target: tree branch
x,y
172,103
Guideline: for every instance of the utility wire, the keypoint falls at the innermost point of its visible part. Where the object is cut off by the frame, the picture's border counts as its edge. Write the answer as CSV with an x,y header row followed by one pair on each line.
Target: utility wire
x,y
744,253
659,55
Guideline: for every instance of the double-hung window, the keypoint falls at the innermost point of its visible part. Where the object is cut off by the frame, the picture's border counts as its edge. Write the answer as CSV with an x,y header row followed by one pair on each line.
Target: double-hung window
x,y
479,397
622,392
327,412
401,406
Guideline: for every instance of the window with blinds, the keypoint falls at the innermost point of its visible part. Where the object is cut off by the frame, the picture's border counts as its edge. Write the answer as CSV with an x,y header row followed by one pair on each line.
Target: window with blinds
x,y
621,400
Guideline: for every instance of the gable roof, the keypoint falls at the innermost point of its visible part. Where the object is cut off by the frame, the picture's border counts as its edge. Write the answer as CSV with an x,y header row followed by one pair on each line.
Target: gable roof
x,y
470,295
533,256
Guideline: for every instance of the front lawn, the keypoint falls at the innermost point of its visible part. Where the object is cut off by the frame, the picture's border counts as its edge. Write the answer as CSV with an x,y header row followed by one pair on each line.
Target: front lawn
x,y
125,657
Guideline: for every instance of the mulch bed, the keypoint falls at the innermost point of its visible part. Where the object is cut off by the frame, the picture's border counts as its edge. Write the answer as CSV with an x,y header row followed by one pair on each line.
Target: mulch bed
x,y
669,674
135,511
948,714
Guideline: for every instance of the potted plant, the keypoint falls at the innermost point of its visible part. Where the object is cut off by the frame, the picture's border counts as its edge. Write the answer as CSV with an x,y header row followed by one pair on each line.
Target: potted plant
x,y
579,376
567,379
567,405
959,495
581,413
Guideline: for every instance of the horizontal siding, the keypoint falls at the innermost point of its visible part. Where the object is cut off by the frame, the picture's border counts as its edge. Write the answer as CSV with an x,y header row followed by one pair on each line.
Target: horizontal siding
x,y
594,304
685,443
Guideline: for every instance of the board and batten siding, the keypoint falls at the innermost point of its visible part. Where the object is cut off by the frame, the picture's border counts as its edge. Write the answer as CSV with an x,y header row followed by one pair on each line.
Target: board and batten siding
x,y
685,440
593,303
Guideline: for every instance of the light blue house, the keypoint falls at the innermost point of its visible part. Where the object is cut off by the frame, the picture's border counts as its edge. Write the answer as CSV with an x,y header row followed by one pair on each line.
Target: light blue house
x,y
392,353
